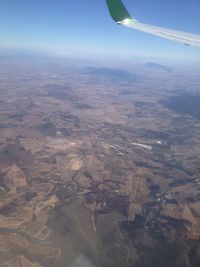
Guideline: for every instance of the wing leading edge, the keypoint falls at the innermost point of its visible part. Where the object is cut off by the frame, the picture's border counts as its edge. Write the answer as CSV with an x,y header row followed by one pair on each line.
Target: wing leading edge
x,y
120,15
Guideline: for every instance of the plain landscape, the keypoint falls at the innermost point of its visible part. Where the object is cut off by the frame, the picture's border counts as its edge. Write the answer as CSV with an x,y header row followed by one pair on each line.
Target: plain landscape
x,y
99,165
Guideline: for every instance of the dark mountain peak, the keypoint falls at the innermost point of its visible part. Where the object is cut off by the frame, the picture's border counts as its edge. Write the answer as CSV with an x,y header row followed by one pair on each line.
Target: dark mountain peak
x,y
158,67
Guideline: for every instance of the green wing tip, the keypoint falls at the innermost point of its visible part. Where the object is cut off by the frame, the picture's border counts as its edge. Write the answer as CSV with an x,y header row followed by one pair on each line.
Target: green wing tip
x,y
117,10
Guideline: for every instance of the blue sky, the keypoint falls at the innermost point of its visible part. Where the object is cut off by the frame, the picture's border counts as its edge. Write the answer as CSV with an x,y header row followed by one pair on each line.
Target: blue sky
x,y
84,27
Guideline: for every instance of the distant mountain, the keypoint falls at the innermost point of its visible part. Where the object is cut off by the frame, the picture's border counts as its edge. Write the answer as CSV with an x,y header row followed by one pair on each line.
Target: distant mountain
x,y
157,67
116,75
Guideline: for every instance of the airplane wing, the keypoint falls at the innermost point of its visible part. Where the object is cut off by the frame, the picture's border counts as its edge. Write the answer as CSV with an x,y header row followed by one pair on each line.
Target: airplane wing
x,y
120,15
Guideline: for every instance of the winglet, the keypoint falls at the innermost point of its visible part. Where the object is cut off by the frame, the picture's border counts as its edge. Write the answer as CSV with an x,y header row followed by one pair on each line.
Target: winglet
x,y
117,10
